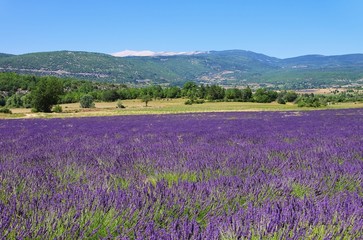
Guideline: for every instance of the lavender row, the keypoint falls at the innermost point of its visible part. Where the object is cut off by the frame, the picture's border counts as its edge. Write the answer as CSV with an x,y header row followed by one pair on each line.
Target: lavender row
x,y
253,175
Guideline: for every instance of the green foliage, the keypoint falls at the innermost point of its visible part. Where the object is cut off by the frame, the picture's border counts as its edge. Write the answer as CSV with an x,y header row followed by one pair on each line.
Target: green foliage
x,y
290,96
146,99
188,102
246,94
29,91
2,101
110,95
286,96
86,87
118,182
172,92
5,110
264,96
310,100
192,101
233,94
86,101
173,177
214,92
11,82
27,100
300,191
71,97
155,91
57,109
281,100
190,90
15,101
346,184
240,95
46,94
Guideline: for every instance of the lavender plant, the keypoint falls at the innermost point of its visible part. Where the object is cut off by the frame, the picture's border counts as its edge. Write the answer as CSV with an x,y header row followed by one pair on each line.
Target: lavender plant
x,y
252,175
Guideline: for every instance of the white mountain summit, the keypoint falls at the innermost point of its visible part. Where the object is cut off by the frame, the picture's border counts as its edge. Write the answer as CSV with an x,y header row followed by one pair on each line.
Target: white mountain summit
x,y
147,53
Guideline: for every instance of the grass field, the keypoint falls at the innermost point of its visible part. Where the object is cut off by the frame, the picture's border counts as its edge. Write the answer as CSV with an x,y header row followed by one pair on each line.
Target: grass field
x,y
136,107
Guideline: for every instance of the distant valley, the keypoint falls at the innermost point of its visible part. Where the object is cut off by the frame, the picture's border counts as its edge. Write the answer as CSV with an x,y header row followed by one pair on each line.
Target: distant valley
x,y
227,68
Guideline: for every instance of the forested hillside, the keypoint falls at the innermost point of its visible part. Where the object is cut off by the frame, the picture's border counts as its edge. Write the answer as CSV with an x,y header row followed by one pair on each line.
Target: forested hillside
x,y
227,68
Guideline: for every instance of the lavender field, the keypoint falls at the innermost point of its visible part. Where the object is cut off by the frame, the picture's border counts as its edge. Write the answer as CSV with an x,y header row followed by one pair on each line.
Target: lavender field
x,y
251,175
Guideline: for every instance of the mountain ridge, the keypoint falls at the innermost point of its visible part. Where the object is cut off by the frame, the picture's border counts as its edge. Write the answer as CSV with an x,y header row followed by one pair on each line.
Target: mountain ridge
x,y
148,53
228,67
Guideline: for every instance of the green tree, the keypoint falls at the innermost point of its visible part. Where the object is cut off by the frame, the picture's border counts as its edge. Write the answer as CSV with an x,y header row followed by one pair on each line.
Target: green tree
x,y
264,96
233,94
281,100
27,100
71,97
2,101
86,87
110,95
86,101
146,99
190,90
172,92
246,94
14,101
290,96
287,96
202,92
214,92
46,93
157,91
311,100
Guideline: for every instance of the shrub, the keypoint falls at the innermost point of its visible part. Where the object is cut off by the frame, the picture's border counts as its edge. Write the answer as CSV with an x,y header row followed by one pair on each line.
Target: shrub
x,y
57,109
119,104
199,101
311,101
188,102
5,110
86,101
281,100
191,101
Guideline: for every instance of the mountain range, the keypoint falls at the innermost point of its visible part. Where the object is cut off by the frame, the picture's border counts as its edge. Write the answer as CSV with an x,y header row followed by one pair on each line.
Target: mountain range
x,y
148,53
228,68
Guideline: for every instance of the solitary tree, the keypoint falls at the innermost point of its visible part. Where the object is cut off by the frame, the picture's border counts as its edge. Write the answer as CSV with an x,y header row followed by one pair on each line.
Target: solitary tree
x,y
46,94
146,99
86,101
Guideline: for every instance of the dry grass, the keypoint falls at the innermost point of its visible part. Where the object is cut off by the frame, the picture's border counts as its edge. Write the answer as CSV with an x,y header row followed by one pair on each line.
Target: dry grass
x,y
323,90
164,107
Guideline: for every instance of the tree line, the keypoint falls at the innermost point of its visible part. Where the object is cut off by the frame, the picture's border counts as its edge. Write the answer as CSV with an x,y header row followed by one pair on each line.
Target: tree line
x,y
42,93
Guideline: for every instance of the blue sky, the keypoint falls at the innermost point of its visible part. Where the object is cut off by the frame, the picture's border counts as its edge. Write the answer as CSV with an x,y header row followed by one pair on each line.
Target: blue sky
x,y
280,28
